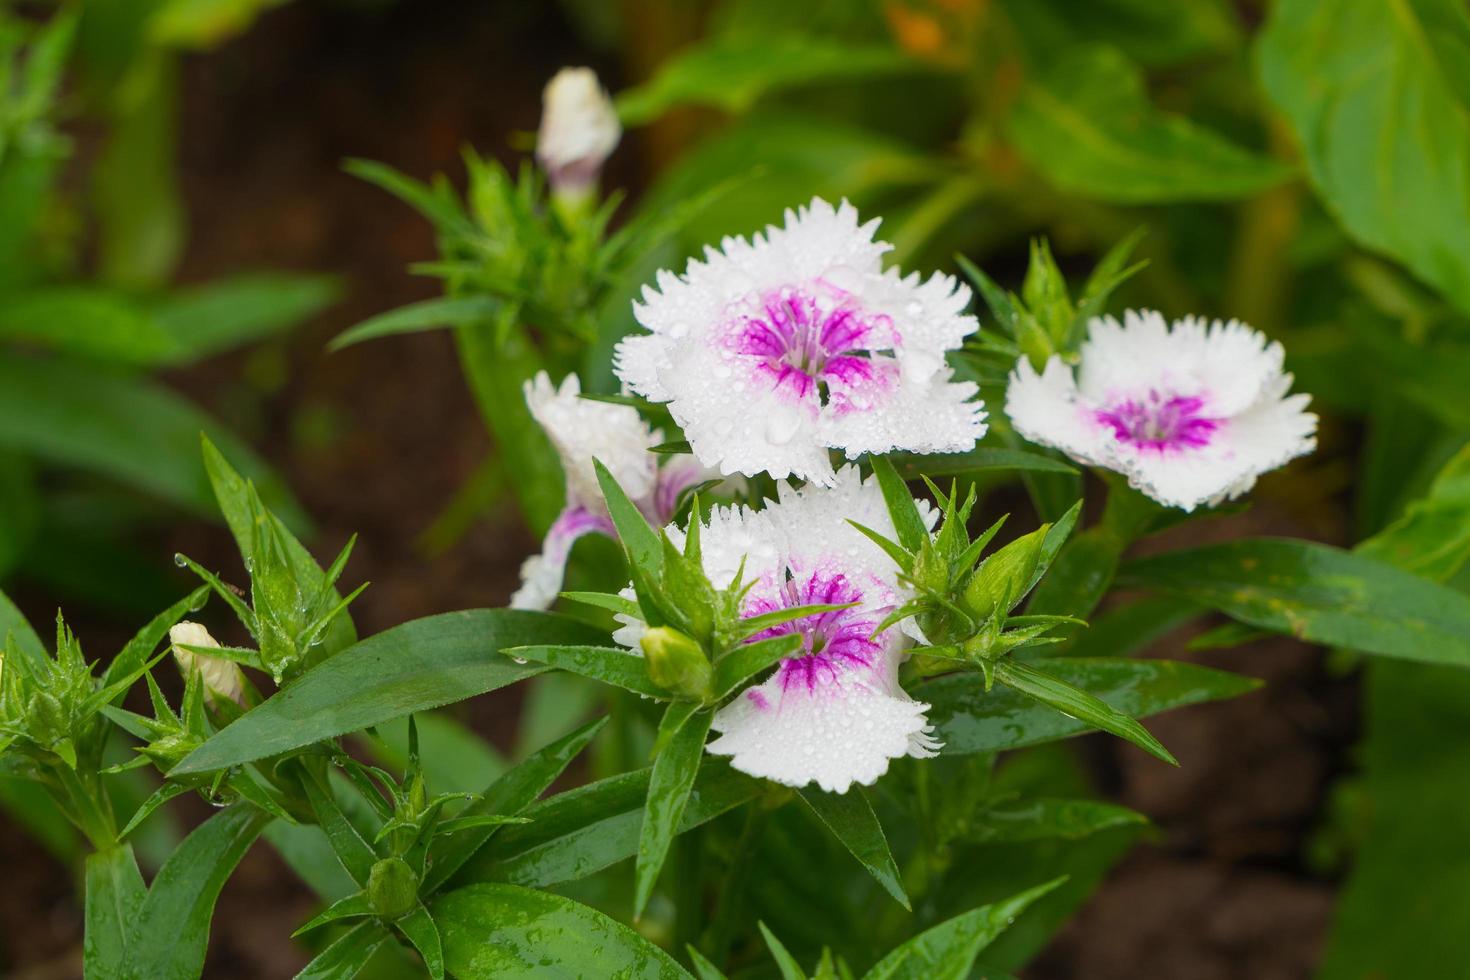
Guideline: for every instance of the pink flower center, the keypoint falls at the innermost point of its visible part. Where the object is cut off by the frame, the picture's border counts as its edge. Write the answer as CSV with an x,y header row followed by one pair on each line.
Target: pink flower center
x,y
814,344
830,640
1160,422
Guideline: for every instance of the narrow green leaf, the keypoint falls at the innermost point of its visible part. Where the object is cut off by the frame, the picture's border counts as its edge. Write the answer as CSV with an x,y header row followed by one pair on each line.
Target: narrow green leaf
x,y
852,821
502,932
419,665
703,968
948,951
749,659
1051,545
582,831
1318,593
611,665
669,786
437,203
1079,704
88,321
912,465
224,314
1047,819
347,955
510,794
429,314
353,851
968,718
641,541
172,928
785,962
421,930
892,549
115,896
610,601
352,907
901,506
751,625
136,653
159,797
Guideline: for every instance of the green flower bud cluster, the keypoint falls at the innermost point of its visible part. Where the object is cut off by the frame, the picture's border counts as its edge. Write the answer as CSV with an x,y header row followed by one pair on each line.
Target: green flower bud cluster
x,y
294,606
49,706
965,602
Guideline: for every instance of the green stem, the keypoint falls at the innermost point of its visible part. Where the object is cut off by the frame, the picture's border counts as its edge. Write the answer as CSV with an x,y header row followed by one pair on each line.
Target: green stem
x,y
87,805
1082,573
720,934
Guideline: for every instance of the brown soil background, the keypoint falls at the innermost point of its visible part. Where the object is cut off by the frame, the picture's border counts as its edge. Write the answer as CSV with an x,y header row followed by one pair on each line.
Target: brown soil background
x,y
376,440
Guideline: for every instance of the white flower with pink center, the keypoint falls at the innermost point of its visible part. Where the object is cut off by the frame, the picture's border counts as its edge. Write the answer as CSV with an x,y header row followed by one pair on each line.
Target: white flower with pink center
x,y
1191,415
580,430
834,714
772,351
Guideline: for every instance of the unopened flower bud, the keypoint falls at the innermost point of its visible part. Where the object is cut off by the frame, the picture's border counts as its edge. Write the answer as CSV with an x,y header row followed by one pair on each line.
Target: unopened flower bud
x,y
46,719
221,678
1003,578
393,888
579,130
676,663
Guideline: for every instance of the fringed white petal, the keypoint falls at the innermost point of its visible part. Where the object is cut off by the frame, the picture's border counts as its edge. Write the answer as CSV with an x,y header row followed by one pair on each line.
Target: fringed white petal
x,y
582,430
862,370
1191,414
844,730
541,575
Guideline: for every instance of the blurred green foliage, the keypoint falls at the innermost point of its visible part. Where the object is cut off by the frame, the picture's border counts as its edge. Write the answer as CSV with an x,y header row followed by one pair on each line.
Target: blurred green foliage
x,y
91,447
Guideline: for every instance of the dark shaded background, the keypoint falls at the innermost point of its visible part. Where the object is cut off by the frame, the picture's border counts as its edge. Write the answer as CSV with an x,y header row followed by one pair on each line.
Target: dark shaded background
x,y
378,438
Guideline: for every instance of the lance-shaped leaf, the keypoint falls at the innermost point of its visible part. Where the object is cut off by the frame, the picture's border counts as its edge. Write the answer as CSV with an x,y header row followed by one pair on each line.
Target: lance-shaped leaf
x,y
785,962
1079,704
1317,593
611,665
670,783
354,853
852,821
502,932
115,896
172,928
354,906
948,951
901,507
347,955
579,832
913,465
1046,819
419,665
423,933
968,718
749,659
429,314
639,539
515,790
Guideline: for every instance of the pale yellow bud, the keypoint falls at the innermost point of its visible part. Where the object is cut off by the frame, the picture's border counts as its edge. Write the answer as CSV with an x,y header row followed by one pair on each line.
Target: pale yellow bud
x,y
222,678
579,130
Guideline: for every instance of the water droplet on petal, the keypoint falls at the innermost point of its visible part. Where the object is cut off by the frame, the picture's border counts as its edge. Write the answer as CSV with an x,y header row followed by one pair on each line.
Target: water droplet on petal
x,y
844,277
679,330
920,365
782,425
